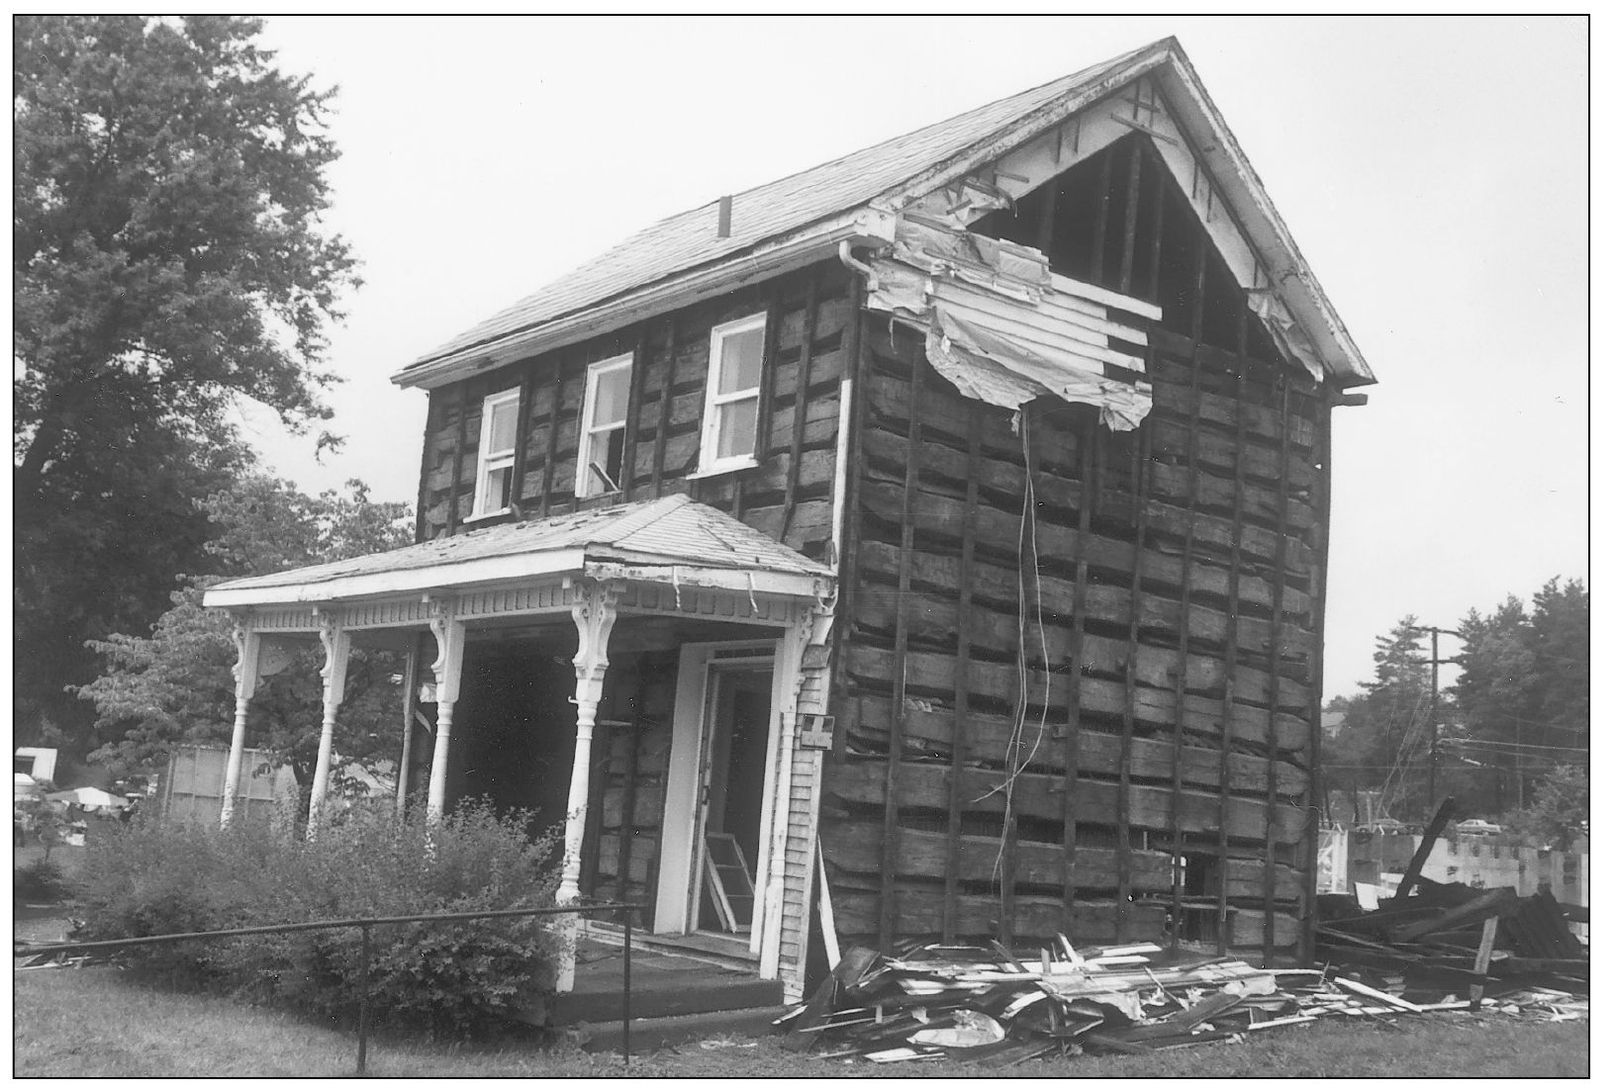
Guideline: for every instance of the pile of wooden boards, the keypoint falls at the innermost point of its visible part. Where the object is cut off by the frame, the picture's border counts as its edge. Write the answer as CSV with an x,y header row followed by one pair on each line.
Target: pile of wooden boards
x,y
988,1005
1442,935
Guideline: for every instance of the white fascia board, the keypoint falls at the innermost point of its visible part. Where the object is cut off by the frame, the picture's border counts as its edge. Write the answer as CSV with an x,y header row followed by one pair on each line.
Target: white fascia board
x,y
1239,185
494,569
1019,133
865,225
744,581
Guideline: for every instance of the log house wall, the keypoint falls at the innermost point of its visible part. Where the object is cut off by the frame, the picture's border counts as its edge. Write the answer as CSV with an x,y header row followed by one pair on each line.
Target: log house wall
x,y
1181,564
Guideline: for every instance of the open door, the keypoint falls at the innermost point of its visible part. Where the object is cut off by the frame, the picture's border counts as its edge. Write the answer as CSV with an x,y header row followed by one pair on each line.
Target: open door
x,y
719,807
735,767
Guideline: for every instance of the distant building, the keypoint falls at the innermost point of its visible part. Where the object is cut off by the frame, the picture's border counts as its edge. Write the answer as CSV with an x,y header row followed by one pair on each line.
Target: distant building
x,y
36,762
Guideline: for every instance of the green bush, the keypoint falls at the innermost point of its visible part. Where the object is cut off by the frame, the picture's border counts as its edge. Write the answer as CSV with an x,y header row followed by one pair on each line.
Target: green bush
x,y
461,978
39,882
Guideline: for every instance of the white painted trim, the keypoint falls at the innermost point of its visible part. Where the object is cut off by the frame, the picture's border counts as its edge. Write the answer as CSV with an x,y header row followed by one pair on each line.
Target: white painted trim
x,y
744,581
488,460
710,463
680,798
838,496
678,875
446,576
586,430
748,266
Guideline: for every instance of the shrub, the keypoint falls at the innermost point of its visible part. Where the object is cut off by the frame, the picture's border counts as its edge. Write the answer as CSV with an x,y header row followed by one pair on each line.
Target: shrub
x,y
459,978
39,882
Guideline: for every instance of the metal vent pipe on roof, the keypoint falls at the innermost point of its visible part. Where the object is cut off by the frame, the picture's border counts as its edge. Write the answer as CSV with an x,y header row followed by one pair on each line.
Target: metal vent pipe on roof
x,y
725,203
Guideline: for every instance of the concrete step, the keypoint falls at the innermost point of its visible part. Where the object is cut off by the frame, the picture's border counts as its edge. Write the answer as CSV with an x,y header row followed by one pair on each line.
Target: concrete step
x,y
649,1034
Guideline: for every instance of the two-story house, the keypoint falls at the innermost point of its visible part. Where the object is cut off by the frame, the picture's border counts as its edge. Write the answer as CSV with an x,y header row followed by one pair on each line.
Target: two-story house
x,y
929,543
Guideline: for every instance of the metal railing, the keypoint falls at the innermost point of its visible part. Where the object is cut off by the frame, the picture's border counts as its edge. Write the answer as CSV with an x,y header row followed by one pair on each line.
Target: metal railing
x,y
364,924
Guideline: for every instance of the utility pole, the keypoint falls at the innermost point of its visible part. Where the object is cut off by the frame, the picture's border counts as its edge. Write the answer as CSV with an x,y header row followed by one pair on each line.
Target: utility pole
x,y
1436,660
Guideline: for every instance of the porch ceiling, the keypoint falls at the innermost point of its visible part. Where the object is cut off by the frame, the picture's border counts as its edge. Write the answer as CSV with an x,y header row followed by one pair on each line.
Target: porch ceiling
x,y
673,540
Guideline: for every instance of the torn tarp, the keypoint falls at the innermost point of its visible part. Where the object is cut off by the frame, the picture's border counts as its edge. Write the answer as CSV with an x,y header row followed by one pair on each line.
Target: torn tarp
x,y
1003,330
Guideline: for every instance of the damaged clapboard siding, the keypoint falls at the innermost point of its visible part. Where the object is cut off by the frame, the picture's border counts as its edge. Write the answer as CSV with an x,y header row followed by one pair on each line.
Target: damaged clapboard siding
x,y
1004,330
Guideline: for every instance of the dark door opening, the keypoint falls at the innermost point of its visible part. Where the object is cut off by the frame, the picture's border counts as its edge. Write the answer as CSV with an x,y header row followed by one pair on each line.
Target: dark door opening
x,y
737,759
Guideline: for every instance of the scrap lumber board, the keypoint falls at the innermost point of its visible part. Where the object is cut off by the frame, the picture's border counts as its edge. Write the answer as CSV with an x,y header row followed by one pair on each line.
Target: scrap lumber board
x,y
1427,842
1484,957
1375,993
1495,902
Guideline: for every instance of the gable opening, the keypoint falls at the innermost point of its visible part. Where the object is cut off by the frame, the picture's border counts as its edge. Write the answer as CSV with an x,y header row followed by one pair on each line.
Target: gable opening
x,y
1120,221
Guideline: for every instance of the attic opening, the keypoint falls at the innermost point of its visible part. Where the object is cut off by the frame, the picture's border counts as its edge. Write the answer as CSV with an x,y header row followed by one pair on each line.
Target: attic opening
x,y
1085,218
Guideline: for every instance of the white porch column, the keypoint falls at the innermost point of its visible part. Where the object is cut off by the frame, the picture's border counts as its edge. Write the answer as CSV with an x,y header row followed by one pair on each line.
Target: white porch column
x,y
336,641
412,681
451,637
594,613
248,646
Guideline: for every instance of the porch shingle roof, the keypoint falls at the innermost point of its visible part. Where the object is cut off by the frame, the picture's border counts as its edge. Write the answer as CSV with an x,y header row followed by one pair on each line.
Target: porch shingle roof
x,y
673,530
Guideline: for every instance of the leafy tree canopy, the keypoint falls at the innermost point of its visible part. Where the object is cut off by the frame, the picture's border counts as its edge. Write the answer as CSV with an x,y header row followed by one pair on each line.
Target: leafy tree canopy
x,y
176,685
167,258
1518,709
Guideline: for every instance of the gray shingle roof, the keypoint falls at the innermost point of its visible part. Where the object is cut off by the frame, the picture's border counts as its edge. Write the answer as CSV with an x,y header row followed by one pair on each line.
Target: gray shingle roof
x,y
689,239
672,530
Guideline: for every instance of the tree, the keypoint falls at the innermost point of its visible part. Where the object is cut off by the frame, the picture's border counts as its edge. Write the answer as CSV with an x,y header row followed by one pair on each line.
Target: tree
x,y
1524,690
167,258
1560,808
176,685
1385,728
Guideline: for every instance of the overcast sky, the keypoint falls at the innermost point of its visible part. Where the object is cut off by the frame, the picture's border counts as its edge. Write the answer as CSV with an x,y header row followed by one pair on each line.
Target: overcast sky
x,y
1433,171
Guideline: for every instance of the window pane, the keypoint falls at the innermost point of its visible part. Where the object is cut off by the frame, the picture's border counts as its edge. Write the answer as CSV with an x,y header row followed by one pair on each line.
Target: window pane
x,y
603,470
737,428
502,430
497,490
742,361
611,397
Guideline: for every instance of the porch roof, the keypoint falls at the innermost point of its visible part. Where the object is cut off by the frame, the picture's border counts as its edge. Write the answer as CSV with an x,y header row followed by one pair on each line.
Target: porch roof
x,y
670,540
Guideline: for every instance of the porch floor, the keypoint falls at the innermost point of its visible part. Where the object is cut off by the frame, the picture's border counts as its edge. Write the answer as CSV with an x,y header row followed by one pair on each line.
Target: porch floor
x,y
661,985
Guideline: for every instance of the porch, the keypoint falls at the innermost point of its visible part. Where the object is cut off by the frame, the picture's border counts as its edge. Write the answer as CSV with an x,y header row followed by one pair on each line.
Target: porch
x,y
667,754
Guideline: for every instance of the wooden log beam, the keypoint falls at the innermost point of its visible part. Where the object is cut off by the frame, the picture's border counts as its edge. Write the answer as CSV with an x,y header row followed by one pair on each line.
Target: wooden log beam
x,y
982,737
924,786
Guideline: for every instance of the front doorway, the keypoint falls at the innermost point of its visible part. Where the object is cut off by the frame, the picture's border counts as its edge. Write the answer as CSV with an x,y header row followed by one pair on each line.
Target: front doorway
x,y
721,783
735,764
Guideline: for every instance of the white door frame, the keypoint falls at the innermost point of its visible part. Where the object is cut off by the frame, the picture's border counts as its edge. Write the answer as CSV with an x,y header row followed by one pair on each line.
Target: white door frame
x,y
678,873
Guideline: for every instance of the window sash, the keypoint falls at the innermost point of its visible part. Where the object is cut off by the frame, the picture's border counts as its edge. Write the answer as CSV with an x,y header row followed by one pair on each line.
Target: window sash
x,y
493,486
595,439
713,418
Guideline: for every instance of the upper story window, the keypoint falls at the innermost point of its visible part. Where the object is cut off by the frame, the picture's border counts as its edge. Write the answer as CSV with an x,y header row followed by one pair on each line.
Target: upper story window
x,y
496,454
734,369
604,427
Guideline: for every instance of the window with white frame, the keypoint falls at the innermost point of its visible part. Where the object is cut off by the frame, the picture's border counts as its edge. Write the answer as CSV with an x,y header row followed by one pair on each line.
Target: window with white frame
x,y
604,427
496,454
734,371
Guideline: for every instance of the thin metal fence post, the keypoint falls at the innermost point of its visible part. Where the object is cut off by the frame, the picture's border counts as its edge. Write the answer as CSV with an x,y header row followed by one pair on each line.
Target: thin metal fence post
x,y
364,992
628,927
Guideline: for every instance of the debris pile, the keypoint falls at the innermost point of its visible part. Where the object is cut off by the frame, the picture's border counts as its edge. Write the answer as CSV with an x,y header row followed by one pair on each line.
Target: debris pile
x,y
987,1005
1450,934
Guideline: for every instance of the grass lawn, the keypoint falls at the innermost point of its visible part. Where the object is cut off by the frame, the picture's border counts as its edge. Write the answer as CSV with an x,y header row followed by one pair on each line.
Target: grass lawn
x,y
94,1022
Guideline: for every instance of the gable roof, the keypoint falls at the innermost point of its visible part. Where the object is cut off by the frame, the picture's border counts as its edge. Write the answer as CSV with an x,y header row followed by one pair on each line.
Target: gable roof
x,y
673,531
805,216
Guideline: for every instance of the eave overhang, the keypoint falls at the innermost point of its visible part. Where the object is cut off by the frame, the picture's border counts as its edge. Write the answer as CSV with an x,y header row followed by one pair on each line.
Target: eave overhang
x,y
816,242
